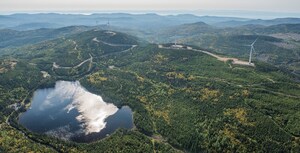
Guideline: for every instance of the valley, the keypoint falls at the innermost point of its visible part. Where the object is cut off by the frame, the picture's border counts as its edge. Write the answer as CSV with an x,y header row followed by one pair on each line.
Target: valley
x,y
114,89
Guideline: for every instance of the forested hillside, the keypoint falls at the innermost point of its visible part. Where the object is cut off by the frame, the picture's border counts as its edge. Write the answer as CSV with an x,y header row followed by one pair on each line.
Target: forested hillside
x,y
277,44
183,101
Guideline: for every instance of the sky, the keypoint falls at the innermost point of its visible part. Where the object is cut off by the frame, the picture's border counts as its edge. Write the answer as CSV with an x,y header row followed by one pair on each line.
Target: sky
x,y
284,6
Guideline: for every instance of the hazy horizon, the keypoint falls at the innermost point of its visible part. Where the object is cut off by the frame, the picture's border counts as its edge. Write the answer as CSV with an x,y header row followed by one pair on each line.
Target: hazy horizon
x,y
234,8
219,13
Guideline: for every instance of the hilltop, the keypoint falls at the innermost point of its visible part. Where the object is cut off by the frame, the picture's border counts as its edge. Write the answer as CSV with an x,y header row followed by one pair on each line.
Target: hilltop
x,y
182,100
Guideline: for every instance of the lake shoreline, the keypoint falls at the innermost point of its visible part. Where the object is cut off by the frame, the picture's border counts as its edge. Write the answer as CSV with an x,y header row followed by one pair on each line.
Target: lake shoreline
x,y
110,123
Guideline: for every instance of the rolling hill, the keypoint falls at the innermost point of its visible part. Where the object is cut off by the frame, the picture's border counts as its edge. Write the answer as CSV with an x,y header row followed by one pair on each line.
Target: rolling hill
x,y
277,44
144,22
182,100
259,22
13,38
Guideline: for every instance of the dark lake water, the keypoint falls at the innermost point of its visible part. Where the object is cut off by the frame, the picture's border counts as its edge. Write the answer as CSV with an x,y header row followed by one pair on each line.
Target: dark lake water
x,y
70,112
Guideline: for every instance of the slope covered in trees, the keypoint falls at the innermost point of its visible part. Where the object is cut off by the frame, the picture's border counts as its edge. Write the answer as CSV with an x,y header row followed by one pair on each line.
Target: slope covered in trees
x,y
182,100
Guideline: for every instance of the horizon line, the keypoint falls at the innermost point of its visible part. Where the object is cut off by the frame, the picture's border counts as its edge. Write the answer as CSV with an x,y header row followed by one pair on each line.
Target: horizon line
x,y
250,14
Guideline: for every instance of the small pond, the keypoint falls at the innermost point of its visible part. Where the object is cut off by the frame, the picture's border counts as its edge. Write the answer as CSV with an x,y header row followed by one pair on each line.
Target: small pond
x,y
68,111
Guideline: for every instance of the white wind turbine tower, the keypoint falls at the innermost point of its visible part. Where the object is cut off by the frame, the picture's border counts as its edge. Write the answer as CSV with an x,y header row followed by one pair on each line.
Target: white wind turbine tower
x,y
252,50
108,25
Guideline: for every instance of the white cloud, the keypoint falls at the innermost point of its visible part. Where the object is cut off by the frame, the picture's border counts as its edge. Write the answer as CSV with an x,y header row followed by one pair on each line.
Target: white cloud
x,y
92,109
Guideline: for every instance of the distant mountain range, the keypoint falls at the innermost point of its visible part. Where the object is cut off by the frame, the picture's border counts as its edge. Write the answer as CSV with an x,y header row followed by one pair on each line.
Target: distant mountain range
x,y
128,21
278,42
235,23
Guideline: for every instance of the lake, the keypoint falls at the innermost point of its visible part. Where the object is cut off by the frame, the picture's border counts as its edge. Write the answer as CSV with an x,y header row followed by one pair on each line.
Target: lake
x,y
68,111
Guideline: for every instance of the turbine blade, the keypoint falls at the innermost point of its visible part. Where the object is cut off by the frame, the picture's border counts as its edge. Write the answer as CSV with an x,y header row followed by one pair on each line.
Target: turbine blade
x,y
254,50
254,42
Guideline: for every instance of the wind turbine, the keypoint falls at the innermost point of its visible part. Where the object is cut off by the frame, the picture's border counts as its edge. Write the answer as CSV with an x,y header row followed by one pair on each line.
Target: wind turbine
x,y
107,24
252,50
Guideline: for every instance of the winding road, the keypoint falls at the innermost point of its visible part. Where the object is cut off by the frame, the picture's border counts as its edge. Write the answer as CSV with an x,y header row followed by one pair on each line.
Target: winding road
x,y
223,59
56,66
61,67
110,44
114,45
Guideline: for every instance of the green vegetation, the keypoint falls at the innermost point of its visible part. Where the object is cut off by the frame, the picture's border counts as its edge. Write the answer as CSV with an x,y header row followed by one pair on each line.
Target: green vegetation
x,y
278,44
198,103
182,100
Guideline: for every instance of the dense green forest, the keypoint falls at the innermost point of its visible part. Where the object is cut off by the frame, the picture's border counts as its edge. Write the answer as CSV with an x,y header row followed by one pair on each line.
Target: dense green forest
x,y
183,101
278,44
